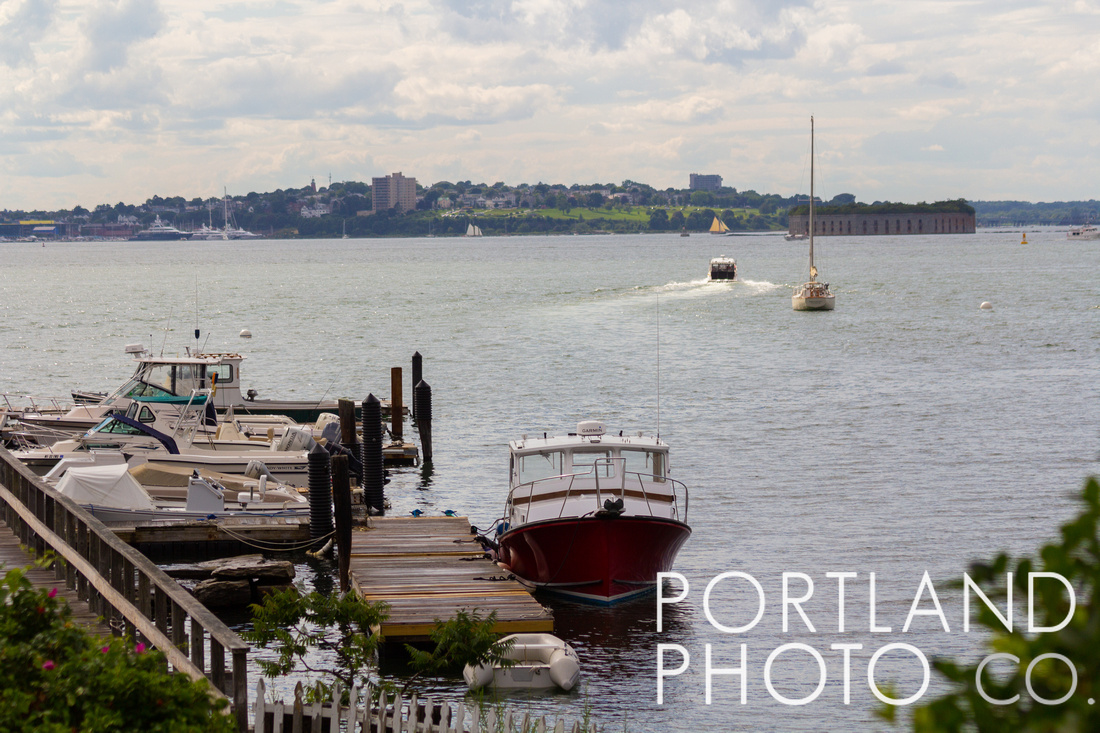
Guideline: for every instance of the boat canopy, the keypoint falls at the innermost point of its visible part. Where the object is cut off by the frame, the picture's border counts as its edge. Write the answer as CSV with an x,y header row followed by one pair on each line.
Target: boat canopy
x,y
108,486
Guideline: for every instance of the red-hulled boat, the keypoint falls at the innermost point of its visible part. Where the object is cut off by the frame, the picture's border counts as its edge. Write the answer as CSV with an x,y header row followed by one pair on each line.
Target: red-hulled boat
x,y
592,516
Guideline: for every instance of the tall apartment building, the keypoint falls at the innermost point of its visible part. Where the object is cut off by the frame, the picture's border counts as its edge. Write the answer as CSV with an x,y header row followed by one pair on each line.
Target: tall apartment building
x,y
393,192
699,182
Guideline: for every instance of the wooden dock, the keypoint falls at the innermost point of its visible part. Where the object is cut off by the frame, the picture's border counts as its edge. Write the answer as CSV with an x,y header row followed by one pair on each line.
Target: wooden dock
x,y
14,556
427,569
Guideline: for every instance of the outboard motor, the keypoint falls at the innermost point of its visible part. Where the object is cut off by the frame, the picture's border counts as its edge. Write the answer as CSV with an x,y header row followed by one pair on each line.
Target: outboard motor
x,y
294,439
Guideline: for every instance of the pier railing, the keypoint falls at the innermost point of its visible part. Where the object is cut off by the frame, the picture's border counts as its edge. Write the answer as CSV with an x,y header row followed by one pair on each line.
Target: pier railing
x,y
129,591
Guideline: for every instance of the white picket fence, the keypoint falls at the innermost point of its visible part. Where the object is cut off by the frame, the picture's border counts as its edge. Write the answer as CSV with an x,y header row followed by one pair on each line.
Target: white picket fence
x,y
394,715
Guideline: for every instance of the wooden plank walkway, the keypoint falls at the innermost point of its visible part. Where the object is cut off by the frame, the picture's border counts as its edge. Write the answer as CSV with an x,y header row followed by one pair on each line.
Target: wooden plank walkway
x,y
428,568
14,556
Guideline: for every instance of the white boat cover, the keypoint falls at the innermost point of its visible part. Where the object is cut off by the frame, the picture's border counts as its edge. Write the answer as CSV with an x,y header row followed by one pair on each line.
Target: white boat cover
x,y
107,486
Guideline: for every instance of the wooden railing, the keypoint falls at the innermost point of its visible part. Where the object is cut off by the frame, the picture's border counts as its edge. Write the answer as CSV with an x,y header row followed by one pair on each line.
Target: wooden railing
x,y
125,588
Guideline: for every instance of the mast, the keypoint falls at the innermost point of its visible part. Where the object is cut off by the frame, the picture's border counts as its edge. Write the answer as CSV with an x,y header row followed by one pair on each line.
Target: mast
x,y
225,203
813,270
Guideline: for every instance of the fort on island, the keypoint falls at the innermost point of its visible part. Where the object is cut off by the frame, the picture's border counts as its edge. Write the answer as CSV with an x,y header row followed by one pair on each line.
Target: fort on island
x,y
942,217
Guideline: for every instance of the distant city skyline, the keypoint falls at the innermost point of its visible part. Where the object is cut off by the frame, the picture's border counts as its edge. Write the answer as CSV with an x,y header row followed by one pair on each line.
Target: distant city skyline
x,y
121,100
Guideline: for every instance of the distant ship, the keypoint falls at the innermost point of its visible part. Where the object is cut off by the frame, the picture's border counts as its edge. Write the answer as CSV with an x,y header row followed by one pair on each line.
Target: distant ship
x,y
159,231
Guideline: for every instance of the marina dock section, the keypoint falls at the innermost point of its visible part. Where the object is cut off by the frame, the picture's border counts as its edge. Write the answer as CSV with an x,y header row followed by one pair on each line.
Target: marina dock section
x,y
428,569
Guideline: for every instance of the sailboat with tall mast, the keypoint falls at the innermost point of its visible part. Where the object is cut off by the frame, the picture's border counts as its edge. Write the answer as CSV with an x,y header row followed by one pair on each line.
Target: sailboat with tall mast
x,y
812,295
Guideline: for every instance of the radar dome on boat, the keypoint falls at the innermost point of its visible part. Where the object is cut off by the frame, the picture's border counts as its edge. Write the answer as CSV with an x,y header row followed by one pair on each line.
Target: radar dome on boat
x,y
245,333
590,427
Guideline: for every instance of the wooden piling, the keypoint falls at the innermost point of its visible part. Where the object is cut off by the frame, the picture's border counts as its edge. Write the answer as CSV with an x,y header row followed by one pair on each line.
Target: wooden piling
x,y
397,410
347,432
341,500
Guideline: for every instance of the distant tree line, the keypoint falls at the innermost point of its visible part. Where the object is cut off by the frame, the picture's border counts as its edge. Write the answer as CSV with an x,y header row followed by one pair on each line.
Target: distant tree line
x,y
956,206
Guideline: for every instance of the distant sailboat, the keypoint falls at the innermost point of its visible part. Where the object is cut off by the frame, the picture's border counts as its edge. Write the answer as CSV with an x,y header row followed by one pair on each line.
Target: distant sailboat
x,y
719,227
473,230
812,295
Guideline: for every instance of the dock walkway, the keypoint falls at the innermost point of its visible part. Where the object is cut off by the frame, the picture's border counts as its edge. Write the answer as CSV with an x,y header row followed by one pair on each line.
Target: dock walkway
x,y
428,568
14,556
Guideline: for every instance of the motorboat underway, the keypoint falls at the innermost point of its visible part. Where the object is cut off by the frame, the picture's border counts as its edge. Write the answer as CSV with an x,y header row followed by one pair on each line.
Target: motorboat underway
x,y
723,268
1088,231
158,231
112,494
812,295
539,662
591,516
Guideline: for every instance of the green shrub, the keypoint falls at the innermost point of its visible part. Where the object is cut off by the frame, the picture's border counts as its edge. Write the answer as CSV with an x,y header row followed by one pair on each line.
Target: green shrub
x,y
55,676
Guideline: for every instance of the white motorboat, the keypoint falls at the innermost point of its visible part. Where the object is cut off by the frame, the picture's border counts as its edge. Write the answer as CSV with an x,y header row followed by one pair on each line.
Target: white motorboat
x,y
113,495
539,662
179,435
1088,231
723,268
166,377
813,295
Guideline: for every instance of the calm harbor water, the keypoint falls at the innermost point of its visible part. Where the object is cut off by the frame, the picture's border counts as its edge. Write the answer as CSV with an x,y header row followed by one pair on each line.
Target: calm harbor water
x,y
906,432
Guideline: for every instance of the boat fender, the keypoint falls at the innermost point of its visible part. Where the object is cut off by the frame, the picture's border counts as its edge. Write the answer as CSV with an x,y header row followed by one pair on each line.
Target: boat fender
x,y
477,677
564,669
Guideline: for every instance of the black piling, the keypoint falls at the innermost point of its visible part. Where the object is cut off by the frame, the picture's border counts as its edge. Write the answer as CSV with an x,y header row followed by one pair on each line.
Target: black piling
x,y
320,493
341,500
417,376
422,399
374,473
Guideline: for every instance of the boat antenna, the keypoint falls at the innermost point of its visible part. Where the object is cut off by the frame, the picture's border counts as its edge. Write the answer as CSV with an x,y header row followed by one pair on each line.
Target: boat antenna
x,y
167,328
658,365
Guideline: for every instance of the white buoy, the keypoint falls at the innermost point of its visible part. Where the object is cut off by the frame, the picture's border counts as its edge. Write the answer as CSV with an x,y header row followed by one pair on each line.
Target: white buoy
x,y
986,306
246,334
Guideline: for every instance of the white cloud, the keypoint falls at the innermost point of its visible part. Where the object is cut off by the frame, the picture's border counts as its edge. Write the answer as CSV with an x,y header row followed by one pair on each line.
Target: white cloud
x,y
144,94
22,24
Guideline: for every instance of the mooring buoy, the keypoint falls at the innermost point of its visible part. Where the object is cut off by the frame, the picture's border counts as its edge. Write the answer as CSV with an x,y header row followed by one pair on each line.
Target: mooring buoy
x,y
986,306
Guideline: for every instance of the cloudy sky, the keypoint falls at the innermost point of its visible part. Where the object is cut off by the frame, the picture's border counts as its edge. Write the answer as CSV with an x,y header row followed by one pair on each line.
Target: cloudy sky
x,y
120,100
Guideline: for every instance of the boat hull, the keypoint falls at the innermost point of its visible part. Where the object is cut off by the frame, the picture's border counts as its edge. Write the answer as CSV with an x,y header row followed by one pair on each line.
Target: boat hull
x,y
800,303
599,559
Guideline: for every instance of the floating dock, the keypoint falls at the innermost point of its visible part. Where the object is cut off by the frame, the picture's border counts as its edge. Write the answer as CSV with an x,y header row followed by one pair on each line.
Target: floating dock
x,y
429,568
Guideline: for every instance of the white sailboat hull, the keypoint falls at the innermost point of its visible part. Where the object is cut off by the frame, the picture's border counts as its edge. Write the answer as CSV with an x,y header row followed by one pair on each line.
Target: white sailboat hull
x,y
813,303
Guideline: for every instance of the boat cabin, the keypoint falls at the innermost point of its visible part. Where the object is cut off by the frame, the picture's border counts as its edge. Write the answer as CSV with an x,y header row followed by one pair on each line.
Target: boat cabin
x,y
723,268
590,471
179,376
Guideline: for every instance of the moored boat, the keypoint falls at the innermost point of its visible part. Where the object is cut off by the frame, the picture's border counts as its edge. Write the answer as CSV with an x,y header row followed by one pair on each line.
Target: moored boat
x,y
166,377
590,515
159,231
1088,231
537,662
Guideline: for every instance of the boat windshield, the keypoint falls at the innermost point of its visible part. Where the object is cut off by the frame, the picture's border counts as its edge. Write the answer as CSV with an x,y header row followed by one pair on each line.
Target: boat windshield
x,y
533,467
585,460
645,462
116,427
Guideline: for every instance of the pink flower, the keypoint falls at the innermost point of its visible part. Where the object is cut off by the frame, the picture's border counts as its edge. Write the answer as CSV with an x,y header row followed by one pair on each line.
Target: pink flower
x,y
53,592
106,649
140,649
48,665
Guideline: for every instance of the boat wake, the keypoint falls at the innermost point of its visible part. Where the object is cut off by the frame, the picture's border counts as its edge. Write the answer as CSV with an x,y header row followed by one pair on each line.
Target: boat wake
x,y
706,287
